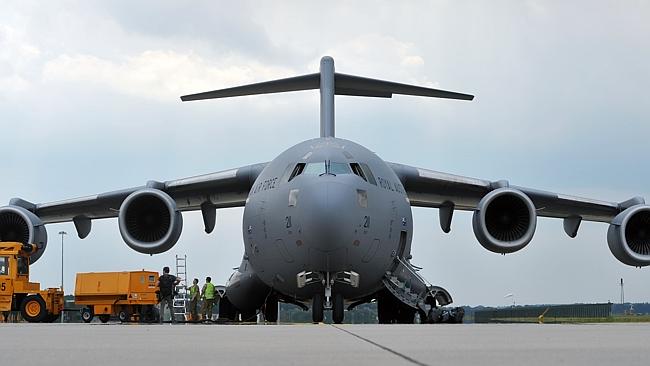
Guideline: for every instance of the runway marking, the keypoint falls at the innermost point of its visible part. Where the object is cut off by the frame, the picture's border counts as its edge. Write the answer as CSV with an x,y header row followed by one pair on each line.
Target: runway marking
x,y
407,358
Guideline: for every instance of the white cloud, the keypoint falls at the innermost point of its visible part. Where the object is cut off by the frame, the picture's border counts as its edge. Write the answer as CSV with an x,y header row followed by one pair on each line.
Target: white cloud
x,y
13,84
158,73
17,54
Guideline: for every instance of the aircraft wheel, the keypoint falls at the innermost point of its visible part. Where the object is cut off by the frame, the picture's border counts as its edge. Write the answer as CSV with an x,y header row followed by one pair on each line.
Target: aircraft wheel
x,y
104,318
317,308
249,316
385,308
271,309
226,310
87,315
405,315
33,309
338,309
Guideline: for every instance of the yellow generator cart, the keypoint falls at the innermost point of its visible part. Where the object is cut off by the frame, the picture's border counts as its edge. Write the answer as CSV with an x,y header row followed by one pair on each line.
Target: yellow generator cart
x,y
18,294
127,295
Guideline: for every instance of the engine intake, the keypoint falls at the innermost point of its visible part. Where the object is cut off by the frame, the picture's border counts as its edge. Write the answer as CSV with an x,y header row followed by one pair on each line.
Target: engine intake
x,y
504,221
149,221
628,236
20,225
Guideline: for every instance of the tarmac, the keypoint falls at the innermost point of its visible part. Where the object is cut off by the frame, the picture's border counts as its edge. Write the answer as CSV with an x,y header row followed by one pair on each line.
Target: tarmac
x,y
308,344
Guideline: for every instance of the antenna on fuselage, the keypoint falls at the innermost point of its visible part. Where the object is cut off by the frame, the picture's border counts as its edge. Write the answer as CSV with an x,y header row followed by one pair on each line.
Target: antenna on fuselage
x,y
330,83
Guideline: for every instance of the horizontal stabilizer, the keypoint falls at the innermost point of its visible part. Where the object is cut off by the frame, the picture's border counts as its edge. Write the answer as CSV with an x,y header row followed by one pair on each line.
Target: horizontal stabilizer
x,y
343,85
356,85
304,82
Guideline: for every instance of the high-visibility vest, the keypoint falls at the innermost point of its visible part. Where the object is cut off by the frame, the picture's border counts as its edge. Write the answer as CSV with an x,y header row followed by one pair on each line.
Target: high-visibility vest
x,y
194,289
209,291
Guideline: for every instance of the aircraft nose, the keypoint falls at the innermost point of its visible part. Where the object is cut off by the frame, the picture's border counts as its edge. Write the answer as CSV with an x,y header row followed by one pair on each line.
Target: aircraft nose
x,y
328,211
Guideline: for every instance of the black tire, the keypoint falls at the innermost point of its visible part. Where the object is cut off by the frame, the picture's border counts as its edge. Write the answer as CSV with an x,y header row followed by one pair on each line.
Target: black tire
x,y
385,308
104,318
87,315
271,309
149,315
51,318
249,316
226,310
33,309
124,316
155,314
338,309
405,314
317,315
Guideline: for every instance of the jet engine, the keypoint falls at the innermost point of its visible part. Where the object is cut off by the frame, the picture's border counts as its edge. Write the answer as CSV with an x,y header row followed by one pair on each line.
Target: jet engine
x,y
504,221
628,236
149,221
20,225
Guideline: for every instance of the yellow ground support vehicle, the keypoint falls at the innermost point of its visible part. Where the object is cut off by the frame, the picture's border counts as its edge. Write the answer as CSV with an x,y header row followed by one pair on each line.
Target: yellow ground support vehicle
x,y
18,294
129,295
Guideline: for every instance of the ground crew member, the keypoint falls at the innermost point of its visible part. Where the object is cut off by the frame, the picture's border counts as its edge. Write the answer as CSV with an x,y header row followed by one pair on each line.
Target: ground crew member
x,y
207,294
167,283
194,300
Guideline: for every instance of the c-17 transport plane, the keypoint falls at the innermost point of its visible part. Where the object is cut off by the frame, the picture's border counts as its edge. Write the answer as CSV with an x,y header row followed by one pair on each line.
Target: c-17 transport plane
x,y
328,223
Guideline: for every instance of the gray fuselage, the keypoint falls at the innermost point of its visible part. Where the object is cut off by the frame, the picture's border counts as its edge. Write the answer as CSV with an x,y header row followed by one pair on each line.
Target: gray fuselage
x,y
324,217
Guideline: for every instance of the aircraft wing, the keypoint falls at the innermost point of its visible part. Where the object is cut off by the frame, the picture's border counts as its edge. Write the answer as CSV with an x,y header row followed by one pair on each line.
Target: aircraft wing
x,y
228,188
428,188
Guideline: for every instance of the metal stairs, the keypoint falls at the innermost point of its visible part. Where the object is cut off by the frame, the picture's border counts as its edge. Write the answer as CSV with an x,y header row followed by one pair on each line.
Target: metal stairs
x,y
407,285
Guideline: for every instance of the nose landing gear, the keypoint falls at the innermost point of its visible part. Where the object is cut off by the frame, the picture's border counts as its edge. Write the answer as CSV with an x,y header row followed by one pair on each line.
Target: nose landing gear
x,y
323,301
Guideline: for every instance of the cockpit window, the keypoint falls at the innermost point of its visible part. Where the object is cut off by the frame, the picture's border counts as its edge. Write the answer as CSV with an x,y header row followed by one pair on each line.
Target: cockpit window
x,y
356,168
320,168
339,168
315,168
363,171
368,173
297,171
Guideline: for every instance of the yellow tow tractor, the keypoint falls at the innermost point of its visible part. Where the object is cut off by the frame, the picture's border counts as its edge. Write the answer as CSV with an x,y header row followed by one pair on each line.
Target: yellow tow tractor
x,y
18,294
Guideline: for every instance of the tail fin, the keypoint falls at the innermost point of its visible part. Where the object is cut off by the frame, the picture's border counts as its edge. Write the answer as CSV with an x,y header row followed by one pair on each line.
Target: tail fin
x,y
330,84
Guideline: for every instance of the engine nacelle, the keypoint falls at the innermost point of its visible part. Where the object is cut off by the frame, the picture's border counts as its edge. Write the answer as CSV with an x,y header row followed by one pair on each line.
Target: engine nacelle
x,y
505,220
20,225
149,221
628,236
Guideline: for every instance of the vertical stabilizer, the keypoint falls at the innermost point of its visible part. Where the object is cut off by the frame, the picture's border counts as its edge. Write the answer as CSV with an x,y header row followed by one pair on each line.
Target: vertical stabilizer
x,y
327,89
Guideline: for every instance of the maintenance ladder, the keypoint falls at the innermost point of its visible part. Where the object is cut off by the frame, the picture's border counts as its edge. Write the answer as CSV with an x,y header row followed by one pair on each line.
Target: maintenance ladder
x,y
181,295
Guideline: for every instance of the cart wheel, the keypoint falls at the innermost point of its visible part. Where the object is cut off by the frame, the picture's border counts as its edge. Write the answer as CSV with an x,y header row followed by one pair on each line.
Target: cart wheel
x,y
104,318
124,316
33,309
87,315
51,318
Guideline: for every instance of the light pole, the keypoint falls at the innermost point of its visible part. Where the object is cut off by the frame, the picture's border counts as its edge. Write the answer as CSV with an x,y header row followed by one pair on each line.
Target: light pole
x,y
62,233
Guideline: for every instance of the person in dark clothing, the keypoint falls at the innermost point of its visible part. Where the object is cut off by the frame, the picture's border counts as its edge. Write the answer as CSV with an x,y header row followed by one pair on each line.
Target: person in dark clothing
x,y
167,283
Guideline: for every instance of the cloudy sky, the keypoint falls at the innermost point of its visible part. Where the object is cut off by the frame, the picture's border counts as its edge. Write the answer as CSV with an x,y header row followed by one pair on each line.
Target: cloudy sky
x,y
89,103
